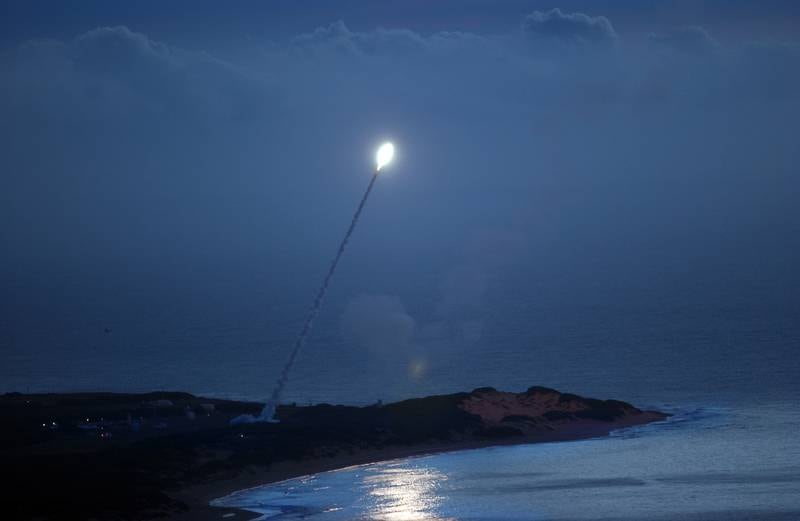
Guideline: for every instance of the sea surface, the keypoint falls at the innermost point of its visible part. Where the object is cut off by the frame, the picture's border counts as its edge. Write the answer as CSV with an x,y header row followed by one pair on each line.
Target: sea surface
x,y
724,357
703,464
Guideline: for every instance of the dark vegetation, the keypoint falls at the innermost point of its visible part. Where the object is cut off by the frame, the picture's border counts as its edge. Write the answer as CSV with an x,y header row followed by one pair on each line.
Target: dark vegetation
x,y
558,415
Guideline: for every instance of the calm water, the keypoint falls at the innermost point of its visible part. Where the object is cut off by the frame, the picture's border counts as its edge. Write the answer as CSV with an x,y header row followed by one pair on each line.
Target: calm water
x,y
208,334
725,357
703,464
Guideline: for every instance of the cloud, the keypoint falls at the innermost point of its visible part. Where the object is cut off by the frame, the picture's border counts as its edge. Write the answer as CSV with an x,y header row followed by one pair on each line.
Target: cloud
x,y
145,111
337,37
113,72
575,29
690,40
112,130
117,50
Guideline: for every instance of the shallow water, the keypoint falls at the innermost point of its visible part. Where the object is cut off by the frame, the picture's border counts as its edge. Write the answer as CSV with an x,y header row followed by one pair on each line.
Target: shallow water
x,y
702,464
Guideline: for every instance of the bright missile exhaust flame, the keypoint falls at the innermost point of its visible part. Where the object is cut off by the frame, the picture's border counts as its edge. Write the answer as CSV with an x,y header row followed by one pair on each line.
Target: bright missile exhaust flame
x,y
382,158
384,155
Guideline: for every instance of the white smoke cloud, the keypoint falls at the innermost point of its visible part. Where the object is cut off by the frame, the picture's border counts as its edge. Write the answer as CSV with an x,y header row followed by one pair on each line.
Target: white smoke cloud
x,y
381,324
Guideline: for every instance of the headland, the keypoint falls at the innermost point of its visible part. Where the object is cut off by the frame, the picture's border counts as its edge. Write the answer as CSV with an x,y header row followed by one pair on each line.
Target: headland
x,y
167,454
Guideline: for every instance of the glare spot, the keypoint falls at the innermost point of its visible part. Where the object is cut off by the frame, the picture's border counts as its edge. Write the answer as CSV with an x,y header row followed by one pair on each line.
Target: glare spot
x,y
384,155
405,493
416,369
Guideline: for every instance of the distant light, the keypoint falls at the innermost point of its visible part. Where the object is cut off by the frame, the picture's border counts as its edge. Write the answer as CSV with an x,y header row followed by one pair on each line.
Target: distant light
x,y
384,155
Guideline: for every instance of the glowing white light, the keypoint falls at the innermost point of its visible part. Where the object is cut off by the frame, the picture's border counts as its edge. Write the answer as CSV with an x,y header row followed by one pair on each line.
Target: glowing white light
x,y
384,155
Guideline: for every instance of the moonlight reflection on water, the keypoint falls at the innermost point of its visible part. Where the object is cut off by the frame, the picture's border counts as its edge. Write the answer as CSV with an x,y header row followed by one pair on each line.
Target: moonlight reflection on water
x,y
702,464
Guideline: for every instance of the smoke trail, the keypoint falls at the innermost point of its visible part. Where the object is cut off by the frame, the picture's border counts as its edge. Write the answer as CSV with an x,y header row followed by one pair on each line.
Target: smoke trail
x,y
268,413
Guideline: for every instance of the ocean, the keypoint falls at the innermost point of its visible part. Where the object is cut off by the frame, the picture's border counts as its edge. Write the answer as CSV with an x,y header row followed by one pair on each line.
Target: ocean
x,y
724,359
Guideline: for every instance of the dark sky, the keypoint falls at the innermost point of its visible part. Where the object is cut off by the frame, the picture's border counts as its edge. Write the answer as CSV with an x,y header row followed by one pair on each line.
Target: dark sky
x,y
626,149
194,22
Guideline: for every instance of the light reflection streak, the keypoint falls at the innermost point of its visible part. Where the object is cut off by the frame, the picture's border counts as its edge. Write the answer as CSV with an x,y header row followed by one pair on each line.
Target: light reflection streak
x,y
403,492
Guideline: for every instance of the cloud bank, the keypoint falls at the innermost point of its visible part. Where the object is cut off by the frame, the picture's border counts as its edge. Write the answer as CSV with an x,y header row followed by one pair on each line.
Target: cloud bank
x,y
569,28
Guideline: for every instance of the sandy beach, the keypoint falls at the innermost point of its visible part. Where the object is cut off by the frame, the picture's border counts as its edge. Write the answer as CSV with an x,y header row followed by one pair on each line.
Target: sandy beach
x,y
199,497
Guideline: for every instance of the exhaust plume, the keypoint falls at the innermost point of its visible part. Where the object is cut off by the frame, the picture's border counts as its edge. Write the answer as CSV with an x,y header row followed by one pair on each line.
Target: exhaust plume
x,y
268,413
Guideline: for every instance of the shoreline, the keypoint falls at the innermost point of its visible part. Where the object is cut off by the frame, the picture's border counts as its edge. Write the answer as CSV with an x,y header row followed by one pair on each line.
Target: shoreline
x,y
170,454
199,497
